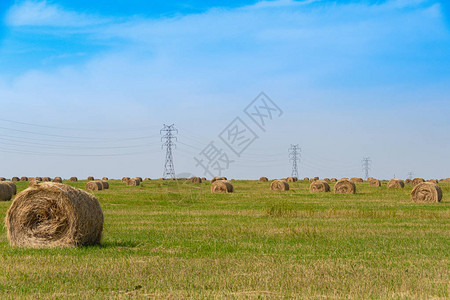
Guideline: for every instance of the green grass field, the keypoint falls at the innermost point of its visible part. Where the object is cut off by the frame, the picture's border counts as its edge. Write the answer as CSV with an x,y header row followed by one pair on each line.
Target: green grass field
x,y
177,240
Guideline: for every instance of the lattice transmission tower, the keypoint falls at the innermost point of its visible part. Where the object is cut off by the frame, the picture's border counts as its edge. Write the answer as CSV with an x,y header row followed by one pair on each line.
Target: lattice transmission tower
x,y
294,158
366,162
168,139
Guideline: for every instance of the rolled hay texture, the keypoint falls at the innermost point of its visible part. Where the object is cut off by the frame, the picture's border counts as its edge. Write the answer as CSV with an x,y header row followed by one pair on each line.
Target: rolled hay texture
x,y
435,181
396,184
333,179
264,179
46,179
57,180
33,182
196,179
54,215
279,185
417,180
344,186
105,184
374,182
23,178
15,178
94,186
426,192
319,186
291,179
221,186
125,179
356,180
218,178
12,185
91,178
74,179
133,182
6,192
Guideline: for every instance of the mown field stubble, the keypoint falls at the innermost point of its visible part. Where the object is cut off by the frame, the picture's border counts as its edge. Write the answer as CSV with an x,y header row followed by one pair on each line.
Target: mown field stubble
x,y
176,239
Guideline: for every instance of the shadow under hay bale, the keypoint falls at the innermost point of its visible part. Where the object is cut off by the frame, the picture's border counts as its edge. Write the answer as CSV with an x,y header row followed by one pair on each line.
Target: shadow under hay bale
x,y
426,192
319,186
54,215
279,185
396,184
344,186
94,186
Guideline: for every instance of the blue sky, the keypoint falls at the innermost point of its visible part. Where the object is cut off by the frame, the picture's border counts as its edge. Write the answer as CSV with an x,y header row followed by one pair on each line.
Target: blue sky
x,y
354,79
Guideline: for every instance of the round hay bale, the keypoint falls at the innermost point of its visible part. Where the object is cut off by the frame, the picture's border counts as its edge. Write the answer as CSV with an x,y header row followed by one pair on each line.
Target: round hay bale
x,y
416,181
57,180
279,185
344,186
333,179
6,192
374,182
74,179
105,184
408,181
263,179
38,178
326,179
54,215
435,181
147,179
204,179
23,178
15,178
221,186
306,179
396,184
33,182
2,179
91,178
12,185
344,178
94,186
46,179
426,192
319,186
356,180
105,178
291,179
196,179
140,178
218,178
125,179
316,178
133,182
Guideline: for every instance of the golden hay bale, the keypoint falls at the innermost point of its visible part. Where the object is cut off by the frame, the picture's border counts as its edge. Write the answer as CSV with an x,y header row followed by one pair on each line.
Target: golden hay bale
x,y
319,186
426,192
105,184
396,184
306,179
374,182
204,179
147,179
15,178
218,178
94,186
38,178
333,179
344,178
435,181
408,181
33,182
326,179
2,179
417,180
222,186
125,179
316,178
73,179
6,192
356,180
23,178
12,185
291,179
344,186
54,215
196,179
105,178
140,178
264,179
158,179
133,182
57,180
279,185
46,179
90,178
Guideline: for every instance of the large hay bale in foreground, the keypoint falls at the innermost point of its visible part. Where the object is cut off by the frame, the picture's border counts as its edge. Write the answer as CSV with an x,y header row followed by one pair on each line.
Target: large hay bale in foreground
x,y
74,179
6,192
105,184
196,179
133,182
279,185
94,186
374,182
263,179
396,184
23,178
12,185
57,180
356,180
54,215
319,186
344,186
426,192
221,186
292,179
416,181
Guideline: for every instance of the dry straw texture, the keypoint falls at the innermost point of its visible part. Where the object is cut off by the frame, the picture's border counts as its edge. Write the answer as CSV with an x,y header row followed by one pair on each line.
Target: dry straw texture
x,y
94,186
435,181
196,179
5,192
356,180
133,182
264,179
396,184
73,179
291,179
319,186
417,180
125,179
12,185
221,186
218,178
279,185
33,182
426,192
374,182
344,186
54,215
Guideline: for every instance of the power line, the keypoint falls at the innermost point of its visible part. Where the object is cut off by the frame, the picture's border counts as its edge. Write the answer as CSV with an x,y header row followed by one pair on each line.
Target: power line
x,y
294,157
168,138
